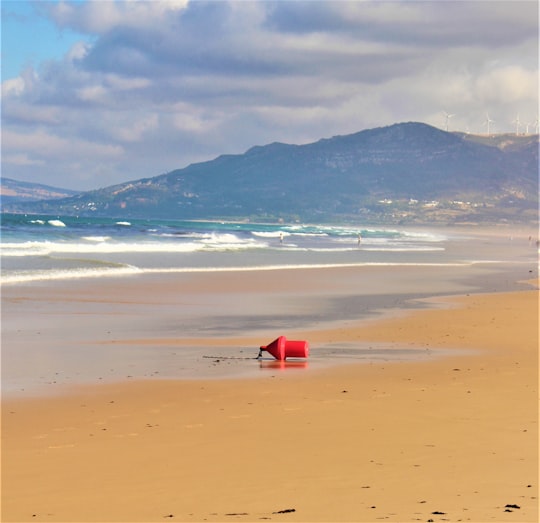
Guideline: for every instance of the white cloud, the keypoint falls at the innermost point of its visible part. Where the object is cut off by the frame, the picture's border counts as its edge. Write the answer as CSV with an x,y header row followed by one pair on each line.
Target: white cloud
x,y
137,129
99,17
13,86
21,159
508,84
120,83
27,115
41,145
194,121
92,93
78,51
163,84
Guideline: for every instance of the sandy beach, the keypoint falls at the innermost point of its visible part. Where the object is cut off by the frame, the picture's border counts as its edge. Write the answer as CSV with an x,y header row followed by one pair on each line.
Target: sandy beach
x,y
448,432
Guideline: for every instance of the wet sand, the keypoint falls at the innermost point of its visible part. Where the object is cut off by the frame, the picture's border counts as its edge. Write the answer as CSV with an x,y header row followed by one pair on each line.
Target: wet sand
x,y
448,432
177,326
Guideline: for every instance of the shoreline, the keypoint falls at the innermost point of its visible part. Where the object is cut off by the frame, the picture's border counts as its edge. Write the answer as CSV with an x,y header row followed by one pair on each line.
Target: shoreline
x,y
151,325
447,439
456,246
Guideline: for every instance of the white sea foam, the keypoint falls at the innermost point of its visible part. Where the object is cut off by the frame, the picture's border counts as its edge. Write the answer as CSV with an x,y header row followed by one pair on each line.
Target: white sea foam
x,y
51,275
96,244
228,241
92,248
98,239
310,234
424,236
25,249
304,266
270,234
102,245
56,223
418,248
222,238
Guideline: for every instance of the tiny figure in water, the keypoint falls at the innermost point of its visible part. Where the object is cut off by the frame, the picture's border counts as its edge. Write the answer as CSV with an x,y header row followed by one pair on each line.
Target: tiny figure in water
x,y
359,238
281,237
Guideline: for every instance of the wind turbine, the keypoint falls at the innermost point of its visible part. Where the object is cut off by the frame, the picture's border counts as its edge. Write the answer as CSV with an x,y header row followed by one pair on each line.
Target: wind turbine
x,y
448,116
488,122
518,123
536,126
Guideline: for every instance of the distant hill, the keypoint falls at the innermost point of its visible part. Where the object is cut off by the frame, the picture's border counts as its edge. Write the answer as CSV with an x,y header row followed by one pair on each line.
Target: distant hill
x,y
13,191
403,173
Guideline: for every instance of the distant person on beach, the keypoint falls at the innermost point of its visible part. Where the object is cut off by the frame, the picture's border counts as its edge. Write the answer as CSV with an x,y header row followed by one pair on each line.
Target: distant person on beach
x,y
359,238
281,237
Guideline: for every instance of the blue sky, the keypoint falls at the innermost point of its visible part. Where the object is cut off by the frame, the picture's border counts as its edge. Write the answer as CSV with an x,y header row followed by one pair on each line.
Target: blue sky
x,y
29,38
98,92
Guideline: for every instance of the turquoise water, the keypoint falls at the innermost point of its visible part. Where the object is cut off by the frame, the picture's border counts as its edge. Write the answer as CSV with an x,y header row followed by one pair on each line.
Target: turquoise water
x,y
37,248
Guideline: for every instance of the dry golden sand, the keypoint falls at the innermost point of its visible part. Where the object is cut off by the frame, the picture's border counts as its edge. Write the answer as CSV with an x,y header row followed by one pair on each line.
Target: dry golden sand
x,y
450,439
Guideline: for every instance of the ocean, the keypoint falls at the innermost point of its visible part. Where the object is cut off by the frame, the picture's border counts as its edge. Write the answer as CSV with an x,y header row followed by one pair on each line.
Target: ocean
x,y
35,248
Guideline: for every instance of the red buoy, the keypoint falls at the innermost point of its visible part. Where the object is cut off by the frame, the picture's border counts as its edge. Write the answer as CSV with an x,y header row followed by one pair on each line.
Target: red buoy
x,y
282,348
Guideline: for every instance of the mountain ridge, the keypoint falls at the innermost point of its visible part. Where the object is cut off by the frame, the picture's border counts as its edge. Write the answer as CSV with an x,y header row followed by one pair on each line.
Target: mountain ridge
x,y
17,191
385,174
